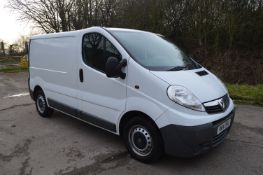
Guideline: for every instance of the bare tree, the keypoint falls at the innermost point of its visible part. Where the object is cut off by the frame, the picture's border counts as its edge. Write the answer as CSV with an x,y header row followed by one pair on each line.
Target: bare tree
x,y
3,48
65,15
49,15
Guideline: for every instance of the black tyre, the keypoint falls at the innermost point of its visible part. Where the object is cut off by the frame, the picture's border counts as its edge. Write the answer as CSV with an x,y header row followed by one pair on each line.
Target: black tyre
x,y
41,104
143,140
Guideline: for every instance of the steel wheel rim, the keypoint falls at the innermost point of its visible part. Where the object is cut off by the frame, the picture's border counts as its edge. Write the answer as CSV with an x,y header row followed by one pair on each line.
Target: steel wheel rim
x,y
41,104
140,140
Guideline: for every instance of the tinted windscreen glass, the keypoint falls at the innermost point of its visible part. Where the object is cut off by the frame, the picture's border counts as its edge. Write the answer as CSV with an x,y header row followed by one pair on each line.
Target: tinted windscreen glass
x,y
154,52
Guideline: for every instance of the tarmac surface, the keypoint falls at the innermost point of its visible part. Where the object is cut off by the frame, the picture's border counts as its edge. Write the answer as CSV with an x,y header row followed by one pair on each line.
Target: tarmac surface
x,y
58,145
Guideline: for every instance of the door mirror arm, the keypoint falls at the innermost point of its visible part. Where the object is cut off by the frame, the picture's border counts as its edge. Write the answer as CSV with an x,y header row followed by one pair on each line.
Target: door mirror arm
x,y
123,63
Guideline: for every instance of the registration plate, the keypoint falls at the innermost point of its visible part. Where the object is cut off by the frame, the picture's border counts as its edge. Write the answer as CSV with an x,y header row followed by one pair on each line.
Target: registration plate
x,y
223,126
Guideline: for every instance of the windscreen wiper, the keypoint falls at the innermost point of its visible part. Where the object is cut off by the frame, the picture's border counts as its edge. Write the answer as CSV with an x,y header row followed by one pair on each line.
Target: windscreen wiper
x,y
177,68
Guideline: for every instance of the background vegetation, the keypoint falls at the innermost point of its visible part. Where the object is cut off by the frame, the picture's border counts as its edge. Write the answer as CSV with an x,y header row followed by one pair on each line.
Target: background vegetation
x,y
247,94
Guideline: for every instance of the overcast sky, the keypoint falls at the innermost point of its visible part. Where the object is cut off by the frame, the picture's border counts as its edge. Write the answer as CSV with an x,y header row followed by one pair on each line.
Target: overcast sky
x,y
11,28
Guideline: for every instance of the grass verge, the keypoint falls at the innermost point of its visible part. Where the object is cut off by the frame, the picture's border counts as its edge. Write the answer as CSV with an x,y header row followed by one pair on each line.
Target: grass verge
x,y
246,94
13,69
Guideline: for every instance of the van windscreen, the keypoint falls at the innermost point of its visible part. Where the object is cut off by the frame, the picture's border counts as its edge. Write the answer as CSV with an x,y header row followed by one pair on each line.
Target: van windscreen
x,y
154,52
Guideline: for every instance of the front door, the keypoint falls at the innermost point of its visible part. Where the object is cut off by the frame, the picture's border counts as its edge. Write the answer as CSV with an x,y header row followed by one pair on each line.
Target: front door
x,y
102,99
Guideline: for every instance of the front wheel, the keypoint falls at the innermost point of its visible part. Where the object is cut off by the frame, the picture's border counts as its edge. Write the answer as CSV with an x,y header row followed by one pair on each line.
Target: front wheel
x,y
143,140
41,105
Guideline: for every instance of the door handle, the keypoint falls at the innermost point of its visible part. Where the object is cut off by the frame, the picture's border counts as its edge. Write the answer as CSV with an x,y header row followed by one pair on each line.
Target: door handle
x,y
81,75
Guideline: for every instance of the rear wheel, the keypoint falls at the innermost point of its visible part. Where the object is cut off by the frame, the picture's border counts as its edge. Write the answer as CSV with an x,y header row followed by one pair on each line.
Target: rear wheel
x,y
143,140
41,104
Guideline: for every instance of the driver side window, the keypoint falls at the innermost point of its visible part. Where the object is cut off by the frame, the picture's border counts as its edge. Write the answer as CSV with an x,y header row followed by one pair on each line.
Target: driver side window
x,y
96,49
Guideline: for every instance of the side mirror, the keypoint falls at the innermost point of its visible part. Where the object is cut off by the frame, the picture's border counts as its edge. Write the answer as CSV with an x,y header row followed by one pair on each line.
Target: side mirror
x,y
114,66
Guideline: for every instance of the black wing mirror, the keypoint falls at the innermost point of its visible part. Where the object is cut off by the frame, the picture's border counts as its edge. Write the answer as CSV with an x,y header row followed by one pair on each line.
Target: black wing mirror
x,y
114,66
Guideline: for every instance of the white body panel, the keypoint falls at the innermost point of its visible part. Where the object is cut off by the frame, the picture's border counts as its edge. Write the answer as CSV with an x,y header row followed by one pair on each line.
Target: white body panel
x,y
99,95
52,67
206,88
55,60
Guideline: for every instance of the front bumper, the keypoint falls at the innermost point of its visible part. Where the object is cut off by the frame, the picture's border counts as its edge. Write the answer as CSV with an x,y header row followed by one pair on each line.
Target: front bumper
x,y
189,141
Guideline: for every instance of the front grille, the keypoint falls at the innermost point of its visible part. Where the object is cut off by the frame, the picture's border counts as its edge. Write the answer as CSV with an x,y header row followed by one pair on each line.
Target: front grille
x,y
218,105
213,109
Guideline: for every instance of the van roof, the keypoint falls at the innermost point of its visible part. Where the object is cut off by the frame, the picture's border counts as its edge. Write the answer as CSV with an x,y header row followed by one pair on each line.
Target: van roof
x,y
124,29
55,35
75,33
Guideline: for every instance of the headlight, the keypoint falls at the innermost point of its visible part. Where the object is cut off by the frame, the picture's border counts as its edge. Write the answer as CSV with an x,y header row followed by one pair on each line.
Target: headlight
x,y
184,97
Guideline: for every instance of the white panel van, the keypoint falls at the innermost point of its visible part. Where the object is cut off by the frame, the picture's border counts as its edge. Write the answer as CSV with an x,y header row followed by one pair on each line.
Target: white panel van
x,y
132,83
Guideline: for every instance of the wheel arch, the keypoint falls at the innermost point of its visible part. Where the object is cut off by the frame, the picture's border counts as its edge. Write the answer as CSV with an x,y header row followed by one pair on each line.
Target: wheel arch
x,y
36,88
129,115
